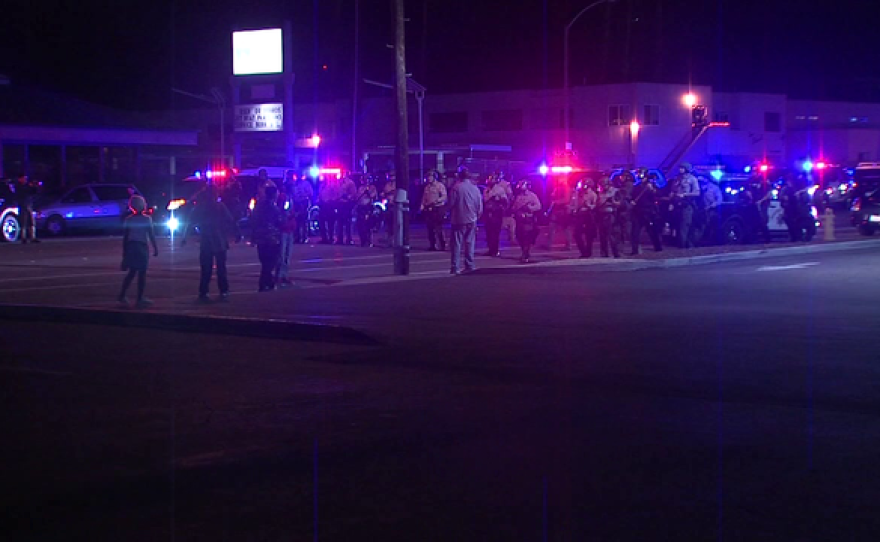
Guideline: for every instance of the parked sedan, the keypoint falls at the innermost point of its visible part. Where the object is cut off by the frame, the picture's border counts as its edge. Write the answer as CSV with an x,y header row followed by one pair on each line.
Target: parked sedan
x,y
86,207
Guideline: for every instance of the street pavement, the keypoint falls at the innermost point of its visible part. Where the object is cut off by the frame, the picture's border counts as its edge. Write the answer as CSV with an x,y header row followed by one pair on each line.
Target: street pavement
x,y
733,401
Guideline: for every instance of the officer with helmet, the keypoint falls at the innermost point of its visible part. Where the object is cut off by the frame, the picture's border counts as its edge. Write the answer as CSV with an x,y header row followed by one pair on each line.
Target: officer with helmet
x,y
607,205
685,199
646,214
496,202
525,208
583,216
434,200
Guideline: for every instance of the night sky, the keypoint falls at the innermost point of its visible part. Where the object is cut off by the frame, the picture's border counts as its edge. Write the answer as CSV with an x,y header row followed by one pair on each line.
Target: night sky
x,y
131,55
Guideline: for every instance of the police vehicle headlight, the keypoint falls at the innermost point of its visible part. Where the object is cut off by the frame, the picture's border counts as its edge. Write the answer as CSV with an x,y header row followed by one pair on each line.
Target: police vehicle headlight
x,y
173,224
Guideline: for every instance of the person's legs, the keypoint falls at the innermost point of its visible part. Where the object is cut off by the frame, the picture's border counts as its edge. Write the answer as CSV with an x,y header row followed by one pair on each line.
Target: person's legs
x,y
684,229
604,227
142,283
470,246
636,233
286,248
126,282
457,241
222,276
206,263
430,223
266,267
493,235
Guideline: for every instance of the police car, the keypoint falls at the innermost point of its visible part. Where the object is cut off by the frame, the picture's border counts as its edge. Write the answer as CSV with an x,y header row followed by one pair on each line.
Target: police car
x,y
865,211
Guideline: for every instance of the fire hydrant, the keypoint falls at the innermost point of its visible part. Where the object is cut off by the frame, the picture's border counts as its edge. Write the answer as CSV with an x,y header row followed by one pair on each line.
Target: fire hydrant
x,y
828,224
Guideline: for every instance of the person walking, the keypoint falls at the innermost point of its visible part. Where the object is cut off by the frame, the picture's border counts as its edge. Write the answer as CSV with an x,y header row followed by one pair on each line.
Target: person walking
x,y
584,217
496,203
347,198
606,218
137,231
434,200
525,206
25,191
266,236
215,223
466,204
646,214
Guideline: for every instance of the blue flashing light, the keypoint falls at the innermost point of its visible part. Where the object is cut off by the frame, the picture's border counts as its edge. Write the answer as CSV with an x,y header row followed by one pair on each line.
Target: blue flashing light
x,y
209,174
198,174
314,171
544,169
717,174
850,172
747,169
808,166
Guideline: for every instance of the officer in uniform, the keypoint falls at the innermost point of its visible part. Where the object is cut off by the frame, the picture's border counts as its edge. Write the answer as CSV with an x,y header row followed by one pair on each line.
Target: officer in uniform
x,y
711,207
366,196
646,214
584,216
758,200
606,217
685,198
496,203
525,208
329,195
303,194
559,217
624,211
433,206
348,196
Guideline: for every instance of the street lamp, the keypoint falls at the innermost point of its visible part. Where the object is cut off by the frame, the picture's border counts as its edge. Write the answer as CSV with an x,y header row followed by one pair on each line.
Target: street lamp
x,y
565,89
634,128
689,99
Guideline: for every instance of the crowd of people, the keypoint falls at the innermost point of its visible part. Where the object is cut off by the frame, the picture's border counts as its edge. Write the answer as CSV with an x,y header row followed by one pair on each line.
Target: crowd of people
x,y
612,212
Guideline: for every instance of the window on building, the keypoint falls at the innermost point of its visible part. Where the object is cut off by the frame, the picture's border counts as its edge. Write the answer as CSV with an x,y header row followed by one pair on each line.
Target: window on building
x,y
502,120
619,115
651,115
772,122
451,122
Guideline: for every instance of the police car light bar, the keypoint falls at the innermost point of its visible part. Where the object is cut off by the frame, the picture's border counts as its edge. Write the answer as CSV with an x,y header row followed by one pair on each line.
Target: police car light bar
x,y
561,169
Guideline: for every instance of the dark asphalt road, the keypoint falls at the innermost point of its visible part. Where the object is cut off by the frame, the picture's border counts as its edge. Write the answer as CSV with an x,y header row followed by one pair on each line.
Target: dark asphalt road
x,y
735,401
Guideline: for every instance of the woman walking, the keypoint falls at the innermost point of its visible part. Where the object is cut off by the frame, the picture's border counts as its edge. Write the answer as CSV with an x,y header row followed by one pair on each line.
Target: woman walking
x,y
137,232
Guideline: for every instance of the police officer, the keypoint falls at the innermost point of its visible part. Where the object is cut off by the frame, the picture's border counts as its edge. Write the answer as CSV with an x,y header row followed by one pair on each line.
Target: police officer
x,y
606,217
711,206
303,194
345,209
525,208
584,216
646,214
24,197
560,197
434,199
366,196
496,204
685,198
329,195
624,211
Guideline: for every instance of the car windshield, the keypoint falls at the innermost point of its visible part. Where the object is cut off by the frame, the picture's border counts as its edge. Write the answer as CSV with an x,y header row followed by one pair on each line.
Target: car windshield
x,y
113,192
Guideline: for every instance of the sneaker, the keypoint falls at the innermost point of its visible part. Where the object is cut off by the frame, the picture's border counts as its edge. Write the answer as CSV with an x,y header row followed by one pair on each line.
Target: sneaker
x,y
224,296
122,300
455,272
143,303
203,298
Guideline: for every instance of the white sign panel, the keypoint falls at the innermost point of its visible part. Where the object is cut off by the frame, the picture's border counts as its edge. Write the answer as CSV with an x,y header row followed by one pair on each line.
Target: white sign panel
x,y
259,118
257,51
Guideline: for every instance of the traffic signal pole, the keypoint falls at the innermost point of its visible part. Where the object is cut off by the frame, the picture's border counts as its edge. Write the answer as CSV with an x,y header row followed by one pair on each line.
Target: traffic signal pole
x,y
401,219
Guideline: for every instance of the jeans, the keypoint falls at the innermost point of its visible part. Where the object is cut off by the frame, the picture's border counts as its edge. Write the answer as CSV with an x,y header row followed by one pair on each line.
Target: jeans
x,y
206,261
286,249
269,260
301,211
464,237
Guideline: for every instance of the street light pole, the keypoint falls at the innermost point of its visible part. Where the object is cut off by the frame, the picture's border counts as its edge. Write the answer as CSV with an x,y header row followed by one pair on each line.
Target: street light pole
x,y
567,113
401,223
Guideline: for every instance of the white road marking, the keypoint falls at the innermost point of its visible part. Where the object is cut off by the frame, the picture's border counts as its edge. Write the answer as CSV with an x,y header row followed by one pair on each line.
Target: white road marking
x,y
787,267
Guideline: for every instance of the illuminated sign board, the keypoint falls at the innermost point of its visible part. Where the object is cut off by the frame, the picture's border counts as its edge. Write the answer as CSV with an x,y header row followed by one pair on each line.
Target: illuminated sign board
x,y
257,52
259,118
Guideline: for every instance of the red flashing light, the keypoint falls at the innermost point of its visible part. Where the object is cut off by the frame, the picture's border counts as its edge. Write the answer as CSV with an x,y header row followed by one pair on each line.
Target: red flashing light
x,y
821,165
561,169
764,168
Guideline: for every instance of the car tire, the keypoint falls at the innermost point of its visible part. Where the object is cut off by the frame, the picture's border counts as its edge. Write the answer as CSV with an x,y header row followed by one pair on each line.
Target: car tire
x,y
867,230
11,228
733,232
56,226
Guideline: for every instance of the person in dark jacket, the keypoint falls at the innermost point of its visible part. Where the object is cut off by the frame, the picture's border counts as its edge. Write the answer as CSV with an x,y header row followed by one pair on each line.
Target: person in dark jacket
x,y
25,191
216,224
266,236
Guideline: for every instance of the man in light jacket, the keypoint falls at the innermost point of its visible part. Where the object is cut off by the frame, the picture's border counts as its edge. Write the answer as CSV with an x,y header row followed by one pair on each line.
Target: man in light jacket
x,y
466,204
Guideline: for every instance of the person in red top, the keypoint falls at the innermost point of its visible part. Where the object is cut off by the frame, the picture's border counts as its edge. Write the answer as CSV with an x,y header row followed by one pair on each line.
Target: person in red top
x,y
137,232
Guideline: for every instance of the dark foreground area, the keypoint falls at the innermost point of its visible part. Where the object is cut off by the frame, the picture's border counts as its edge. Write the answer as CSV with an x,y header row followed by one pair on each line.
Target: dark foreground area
x,y
734,401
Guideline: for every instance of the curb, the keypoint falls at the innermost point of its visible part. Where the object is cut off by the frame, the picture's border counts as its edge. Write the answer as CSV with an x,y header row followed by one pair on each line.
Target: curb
x,y
240,327
634,264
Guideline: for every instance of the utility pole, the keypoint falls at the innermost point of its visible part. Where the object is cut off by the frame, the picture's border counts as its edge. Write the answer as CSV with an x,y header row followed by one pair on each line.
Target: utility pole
x,y
354,97
401,223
